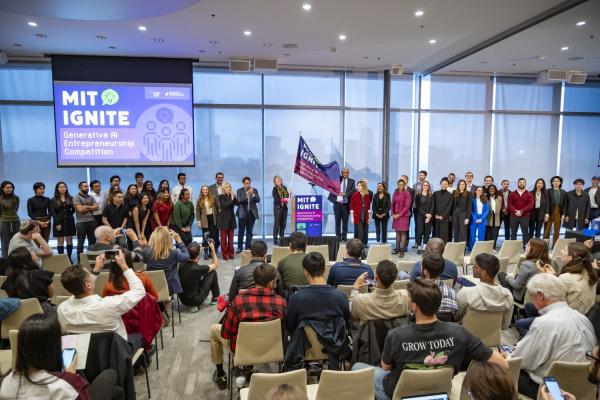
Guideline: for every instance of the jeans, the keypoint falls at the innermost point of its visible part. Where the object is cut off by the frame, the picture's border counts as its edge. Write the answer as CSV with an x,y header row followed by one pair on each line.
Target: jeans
x,y
245,225
380,374
515,223
523,324
505,220
85,229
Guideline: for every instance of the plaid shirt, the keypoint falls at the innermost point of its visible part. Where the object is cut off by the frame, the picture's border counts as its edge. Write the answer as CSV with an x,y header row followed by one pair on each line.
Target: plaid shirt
x,y
252,305
448,297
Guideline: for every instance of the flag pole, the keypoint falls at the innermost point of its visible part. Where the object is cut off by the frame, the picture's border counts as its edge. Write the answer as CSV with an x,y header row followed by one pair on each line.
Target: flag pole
x,y
292,199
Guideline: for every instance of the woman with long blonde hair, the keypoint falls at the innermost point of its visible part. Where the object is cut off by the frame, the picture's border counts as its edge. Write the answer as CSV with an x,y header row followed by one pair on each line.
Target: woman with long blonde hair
x,y
207,213
281,197
227,224
160,255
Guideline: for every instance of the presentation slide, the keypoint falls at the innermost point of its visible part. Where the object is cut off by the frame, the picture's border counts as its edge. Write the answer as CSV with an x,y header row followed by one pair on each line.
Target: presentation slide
x,y
117,123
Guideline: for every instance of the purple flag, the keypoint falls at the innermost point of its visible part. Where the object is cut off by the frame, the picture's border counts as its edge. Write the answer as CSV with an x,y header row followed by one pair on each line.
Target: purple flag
x,y
308,166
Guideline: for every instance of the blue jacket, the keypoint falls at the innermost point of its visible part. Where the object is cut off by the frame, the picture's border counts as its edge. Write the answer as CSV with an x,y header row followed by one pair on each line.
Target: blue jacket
x,y
484,212
345,272
449,272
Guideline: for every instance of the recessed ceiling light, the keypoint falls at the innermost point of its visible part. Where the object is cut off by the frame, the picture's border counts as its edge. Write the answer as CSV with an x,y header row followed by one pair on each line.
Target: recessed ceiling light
x,y
17,45
484,62
112,47
213,42
267,44
32,23
564,48
100,37
142,28
580,23
201,51
247,33
419,13
158,40
432,41
41,35
286,54
342,36
366,57
306,7
290,46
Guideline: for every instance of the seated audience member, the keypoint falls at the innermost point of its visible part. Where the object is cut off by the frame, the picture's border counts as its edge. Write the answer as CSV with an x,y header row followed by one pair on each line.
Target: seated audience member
x,y
160,255
108,238
25,280
286,392
345,272
579,277
258,303
319,305
290,268
39,371
384,302
559,334
434,246
431,268
486,295
243,278
594,371
486,380
198,280
117,283
429,343
87,312
536,249
29,237
594,247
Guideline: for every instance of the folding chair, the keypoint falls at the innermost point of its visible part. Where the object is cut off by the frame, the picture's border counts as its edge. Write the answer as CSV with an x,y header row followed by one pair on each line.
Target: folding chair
x,y
485,325
424,381
481,247
3,292
135,359
27,308
262,383
246,256
573,379
8,358
455,252
159,280
403,284
56,263
346,289
555,255
278,254
511,249
355,385
379,252
58,300
101,281
323,249
406,265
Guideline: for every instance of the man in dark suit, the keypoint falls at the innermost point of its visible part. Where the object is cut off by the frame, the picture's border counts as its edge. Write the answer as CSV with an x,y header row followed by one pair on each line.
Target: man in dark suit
x,y
577,215
341,203
217,188
594,193
247,212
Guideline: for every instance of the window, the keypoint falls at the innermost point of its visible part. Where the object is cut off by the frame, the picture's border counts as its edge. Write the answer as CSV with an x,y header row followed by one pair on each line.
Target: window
x,y
217,86
303,88
579,157
523,95
457,93
364,89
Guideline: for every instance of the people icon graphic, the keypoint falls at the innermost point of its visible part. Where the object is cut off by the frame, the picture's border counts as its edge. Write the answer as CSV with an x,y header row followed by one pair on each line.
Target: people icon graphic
x,y
168,135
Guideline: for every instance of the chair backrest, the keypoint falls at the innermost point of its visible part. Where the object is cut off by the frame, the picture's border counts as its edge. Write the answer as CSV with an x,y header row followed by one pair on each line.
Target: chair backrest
x,y
259,343
503,264
322,248
514,368
424,381
246,256
481,247
57,300
403,284
326,273
261,383
379,252
455,252
315,352
346,289
139,266
84,261
56,263
485,325
512,250
101,281
3,292
560,244
406,265
278,254
13,337
59,289
27,308
355,385
159,280
342,253
572,377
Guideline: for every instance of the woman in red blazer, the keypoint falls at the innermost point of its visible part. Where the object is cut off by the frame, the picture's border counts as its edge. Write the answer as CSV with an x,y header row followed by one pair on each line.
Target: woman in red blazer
x,y
360,206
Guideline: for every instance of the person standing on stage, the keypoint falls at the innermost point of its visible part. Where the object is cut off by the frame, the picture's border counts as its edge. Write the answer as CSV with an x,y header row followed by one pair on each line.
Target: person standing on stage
x,y
61,208
540,213
479,215
247,213
557,201
594,193
520,204
38,209
281,198
577,207
341,202
181,179
442,208
9,219
461,211
84,205
424,214
207,214
381,205
217,188
360,210
227,225
493,223
504,192
401,216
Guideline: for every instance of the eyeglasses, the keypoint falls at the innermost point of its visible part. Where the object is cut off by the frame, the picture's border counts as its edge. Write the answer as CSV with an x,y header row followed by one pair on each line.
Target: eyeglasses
x,y
590,356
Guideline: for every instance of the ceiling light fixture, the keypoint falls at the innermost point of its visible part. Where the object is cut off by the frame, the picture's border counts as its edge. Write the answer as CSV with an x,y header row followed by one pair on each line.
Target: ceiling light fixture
x,y
432,41
580,23
419,13
342,36
201,51
142,28
267,44
112,47
306,7
32,23
158,40
247,33
100,37
564,48
17,45
213,42
41,35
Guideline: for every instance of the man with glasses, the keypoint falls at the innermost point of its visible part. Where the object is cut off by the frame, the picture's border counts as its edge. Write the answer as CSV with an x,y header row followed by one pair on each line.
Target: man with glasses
x,y
341,203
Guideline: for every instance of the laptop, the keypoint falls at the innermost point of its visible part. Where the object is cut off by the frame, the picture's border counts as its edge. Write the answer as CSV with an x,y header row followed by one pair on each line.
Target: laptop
x,y
433,396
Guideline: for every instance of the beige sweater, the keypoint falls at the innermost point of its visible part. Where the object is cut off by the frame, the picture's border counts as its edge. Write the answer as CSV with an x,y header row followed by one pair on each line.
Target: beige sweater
x,y
580,295
380,304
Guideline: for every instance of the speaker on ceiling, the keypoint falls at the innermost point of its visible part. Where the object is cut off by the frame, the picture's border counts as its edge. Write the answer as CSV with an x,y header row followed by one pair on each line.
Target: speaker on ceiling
x,y
265,64
239,65
397,69
577,77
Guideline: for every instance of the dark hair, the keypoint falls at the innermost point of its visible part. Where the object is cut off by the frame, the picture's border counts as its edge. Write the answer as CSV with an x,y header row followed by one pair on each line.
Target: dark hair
x,y
6,183
387,272
543,191
314,264
56,198
246,178
578,180
557,177
161,183
444,179
194,249
258,248
38,185
183,192
486,380
504,180
116,192
129,187
354,248
219,173
581,261
39,346
179,175
488,176
538,250
384,186
423,172
521,179
495,191
18,274
92,183
452,173
73,279
426,295
139,175
483,198
457,190
112,178
264,274
81,183
489,263
115,274
298,241
433,263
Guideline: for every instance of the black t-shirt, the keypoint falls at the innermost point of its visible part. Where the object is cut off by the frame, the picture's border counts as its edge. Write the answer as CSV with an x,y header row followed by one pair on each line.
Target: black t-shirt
x,y
427,345
38,282
190,276
114,215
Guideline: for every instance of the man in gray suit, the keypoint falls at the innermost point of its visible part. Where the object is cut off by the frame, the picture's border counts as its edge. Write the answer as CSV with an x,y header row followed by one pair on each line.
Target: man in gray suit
x,y
217,188
247,212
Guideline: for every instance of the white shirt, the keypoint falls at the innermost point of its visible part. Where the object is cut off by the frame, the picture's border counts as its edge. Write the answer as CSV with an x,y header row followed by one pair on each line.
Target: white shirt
x,y
56,387
479,207
560,334
99,198
101,314
177,189
593,197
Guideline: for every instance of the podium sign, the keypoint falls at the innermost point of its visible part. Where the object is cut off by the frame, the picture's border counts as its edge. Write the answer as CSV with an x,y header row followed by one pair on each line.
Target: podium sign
x,y
308,214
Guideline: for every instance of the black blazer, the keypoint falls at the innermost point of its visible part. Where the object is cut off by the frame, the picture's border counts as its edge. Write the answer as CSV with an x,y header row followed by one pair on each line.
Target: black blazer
x,y
277,200
596,197
350,188
563,201
244,209
381,206
226,216
575,203
442,203
424,205
461,206
544,207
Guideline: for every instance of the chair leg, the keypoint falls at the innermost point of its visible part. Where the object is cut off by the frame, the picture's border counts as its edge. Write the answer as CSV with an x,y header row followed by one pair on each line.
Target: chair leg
x,y
172,318
156,345
229,376
179,309
162,343
146,370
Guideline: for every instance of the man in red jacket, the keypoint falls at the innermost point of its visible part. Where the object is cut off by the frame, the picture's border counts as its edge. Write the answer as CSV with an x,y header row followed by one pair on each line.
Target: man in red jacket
x,y
520,204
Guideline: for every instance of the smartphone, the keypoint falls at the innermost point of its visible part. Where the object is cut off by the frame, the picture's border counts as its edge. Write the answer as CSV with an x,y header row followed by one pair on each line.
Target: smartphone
x,y
110,254
553,388
369,282
67,356
506,348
